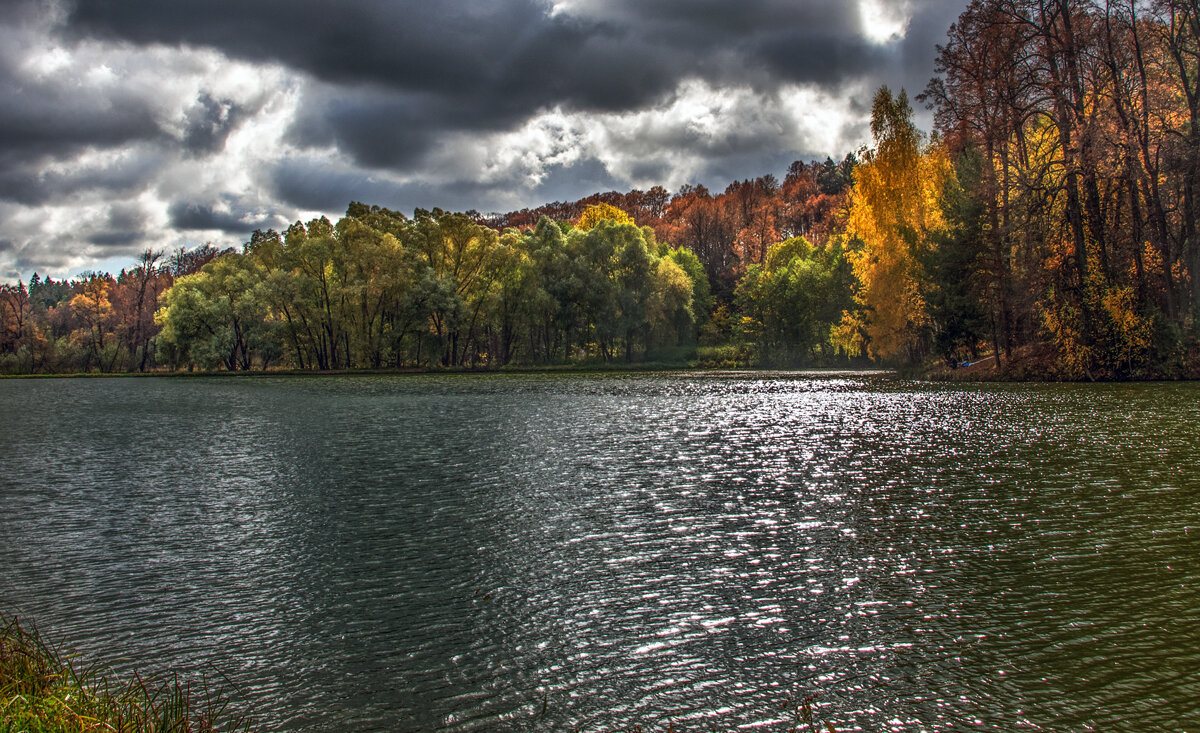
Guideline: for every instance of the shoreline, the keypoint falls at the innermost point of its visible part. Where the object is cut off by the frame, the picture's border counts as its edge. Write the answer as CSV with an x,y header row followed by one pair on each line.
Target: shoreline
x,y
931,375
649,368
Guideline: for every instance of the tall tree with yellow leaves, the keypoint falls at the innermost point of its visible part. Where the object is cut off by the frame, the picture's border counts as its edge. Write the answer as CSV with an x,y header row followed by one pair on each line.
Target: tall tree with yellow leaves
x,y
893,211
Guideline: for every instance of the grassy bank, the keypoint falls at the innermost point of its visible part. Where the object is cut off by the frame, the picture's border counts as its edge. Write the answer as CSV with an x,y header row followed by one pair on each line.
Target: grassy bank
x,y
43,689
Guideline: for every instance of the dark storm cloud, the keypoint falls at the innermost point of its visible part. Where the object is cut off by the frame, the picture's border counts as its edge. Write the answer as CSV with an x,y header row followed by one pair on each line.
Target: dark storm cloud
x,y
116,238
59,116
23,12
28,178
650,170
228,215
930,22
20,179
576,181
123,226
209,123
49,117
310,184
803,56
378,130
408,45
482,64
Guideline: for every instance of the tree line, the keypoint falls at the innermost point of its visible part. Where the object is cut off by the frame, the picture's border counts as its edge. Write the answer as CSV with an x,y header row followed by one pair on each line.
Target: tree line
x,y
379,289
96,322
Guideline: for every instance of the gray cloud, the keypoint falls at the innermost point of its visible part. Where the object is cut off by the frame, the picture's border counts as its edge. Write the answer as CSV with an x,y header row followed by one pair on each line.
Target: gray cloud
x,y
308,184
209,123
410,45
123,225
378,130
228,215
573,182
312,184
115,238
29,178
58,116
484,64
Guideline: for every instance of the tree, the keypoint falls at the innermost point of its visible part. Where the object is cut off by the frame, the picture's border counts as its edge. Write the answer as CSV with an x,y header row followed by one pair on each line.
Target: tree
x,y
954,267
219,317
669,315
137,294
597,213
789,304
458,251
893,213
93,309
14,310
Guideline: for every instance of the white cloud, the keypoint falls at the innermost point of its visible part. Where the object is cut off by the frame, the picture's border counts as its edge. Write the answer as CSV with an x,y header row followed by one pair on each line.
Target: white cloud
x,y
676,140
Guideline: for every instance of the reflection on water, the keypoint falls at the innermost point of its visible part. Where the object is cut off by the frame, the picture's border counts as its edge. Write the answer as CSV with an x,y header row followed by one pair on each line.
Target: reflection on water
x,y
515,553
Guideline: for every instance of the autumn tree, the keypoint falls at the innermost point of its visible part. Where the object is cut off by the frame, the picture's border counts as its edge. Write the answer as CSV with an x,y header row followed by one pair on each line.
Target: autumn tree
x,y
1084,115
135,298
893,213
14,311
597,213
93,310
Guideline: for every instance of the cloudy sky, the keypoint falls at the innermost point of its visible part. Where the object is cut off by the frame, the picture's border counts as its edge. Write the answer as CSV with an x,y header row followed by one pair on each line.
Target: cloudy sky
x,y
134,124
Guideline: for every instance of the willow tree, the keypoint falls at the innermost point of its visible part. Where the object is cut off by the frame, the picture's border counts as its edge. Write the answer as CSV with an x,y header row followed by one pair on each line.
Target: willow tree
x,y
217,317
790,302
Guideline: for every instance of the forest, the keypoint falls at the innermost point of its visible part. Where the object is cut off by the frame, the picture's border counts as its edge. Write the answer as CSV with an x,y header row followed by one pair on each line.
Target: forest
x,y
1047,227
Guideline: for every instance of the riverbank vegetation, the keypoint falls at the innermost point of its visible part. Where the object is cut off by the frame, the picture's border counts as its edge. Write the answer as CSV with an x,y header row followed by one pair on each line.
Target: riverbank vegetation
x,y
43,690
1049,228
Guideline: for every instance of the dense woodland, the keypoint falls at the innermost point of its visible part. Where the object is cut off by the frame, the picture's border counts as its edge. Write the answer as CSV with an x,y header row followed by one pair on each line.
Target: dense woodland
x,y
1048,227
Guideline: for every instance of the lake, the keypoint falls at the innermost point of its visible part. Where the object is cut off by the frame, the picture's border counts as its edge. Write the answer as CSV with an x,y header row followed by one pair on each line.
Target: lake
x,y
555,552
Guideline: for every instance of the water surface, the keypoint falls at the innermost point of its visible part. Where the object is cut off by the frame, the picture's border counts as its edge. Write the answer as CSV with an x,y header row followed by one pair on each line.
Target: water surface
x,y
557,552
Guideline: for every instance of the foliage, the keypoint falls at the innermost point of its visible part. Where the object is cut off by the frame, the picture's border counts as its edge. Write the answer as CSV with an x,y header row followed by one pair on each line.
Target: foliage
x,y
96,322
44,690
1086,120
894,213
440,288
597,213
952,285
790,303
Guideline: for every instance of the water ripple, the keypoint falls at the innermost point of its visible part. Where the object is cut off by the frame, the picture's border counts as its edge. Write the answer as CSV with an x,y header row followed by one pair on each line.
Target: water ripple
x,y
593,552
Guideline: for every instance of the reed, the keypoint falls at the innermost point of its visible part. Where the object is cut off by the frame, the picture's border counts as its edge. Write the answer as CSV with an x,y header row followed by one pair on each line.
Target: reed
x,y
43,689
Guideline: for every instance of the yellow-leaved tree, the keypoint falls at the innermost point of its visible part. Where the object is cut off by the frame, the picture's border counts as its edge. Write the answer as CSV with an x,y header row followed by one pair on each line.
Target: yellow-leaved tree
x,y
894,208
597,213
92,307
